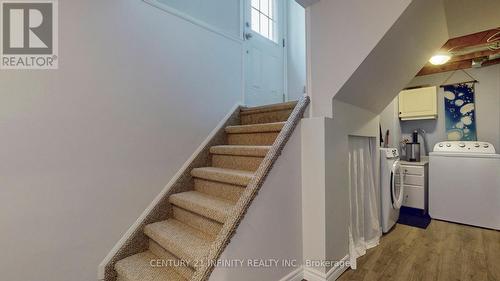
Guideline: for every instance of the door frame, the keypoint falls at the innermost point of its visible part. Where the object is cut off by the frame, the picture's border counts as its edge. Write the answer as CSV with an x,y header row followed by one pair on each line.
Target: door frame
x,y
284,36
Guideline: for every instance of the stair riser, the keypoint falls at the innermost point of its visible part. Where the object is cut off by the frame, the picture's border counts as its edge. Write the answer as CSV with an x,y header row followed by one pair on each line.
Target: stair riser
x,y
170,247
265,117
226,191
201,223
198,209
174,262
247,163
241,180
267,138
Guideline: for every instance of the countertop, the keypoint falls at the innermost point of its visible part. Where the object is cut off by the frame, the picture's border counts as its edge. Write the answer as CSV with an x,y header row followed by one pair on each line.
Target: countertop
x,y
424,160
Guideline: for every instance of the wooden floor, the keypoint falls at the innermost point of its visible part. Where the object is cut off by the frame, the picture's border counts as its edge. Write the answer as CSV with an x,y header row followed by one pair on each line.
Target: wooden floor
x,y
442,252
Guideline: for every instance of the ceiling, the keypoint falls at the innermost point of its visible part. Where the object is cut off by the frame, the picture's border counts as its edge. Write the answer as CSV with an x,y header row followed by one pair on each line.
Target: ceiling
x,y
470,16
473,50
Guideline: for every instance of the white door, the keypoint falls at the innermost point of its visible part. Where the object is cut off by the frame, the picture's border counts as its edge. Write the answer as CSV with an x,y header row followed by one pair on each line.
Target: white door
x,y
264,51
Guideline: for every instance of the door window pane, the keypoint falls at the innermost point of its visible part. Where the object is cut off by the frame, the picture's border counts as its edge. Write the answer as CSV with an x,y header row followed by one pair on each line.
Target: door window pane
x,y
255,19
263,18
264,26
264,7
256,4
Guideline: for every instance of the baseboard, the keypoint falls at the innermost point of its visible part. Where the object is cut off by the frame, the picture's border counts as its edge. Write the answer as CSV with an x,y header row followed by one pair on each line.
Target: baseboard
x,y
296,275
165,190
335,272
311,274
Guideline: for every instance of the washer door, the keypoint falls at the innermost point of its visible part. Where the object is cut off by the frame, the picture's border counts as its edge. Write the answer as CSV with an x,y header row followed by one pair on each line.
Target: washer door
x,y
396,191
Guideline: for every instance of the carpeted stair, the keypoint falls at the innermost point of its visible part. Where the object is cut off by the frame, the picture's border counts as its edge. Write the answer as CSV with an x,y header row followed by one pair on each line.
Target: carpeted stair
x,y
177,244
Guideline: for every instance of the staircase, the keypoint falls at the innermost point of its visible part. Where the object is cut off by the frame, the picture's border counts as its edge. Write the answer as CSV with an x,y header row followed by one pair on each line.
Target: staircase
x,y
202,218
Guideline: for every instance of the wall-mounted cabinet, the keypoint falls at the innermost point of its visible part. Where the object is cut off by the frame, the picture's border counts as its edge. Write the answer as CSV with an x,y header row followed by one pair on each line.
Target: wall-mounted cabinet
x,y
418,104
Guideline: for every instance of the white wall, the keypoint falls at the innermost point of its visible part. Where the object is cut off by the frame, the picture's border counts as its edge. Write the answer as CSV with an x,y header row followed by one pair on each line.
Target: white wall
x,y
342,34
221,14
272,226
487,97
389,120
296,47
87,147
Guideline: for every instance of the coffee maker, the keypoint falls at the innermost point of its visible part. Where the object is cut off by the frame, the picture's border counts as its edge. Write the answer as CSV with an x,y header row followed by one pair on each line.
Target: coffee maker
x,y
413,149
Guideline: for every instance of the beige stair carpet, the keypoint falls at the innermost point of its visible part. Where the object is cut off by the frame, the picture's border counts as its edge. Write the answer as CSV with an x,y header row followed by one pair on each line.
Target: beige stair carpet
x,y
178,244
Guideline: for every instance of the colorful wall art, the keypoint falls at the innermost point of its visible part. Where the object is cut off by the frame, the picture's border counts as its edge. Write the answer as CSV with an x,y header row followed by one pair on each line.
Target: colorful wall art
x,y
459,108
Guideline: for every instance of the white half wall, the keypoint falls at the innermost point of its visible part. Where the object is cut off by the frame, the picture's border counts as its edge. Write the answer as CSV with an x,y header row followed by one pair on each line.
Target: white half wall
x,y
272,226
313,191
325,181
87,147
348,120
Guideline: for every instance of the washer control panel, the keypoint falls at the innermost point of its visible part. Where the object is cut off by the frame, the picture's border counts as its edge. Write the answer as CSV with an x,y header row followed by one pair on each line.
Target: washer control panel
x,y
465,147
390,152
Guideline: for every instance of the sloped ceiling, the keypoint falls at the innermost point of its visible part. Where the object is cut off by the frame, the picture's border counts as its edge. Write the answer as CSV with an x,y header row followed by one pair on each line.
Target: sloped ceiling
x,y
470,16
419,32
342,33
306,3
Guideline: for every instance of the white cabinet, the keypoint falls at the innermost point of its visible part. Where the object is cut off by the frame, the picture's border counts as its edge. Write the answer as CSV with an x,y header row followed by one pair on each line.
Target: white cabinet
x,y
417,104
416,185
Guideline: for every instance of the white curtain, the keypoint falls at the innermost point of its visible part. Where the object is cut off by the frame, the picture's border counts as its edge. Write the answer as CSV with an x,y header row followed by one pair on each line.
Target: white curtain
x,y
364,228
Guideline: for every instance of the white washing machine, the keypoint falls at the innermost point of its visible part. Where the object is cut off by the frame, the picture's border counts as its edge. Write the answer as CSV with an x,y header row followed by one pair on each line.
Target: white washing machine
x,y
390,193
464,183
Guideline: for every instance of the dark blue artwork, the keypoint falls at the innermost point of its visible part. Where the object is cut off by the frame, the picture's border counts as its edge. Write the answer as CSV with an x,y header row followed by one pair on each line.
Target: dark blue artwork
x,y
459,109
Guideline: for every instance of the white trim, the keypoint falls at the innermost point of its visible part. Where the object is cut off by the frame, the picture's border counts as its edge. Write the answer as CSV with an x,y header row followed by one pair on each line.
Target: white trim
x,y
243,18
308,60
335,272
166,189
195,21
286,12
296,275
311,274
243,74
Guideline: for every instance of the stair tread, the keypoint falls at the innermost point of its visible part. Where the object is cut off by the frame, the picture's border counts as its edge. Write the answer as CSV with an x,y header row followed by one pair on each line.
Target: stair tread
x,y
138,268
182,268
255,128
231,176
185,242
268,108
241,150
203,204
